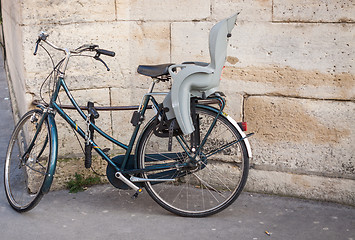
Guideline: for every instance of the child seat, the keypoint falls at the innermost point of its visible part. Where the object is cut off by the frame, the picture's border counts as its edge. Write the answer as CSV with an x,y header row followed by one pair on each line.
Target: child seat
x,y
196,78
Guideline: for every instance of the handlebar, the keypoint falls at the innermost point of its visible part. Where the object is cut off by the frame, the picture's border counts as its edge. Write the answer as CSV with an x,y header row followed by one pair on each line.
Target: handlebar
x,y
87,47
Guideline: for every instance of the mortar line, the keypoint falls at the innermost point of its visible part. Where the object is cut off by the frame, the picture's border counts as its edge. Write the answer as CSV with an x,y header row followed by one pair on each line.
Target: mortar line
x,y
116,17
268,168
297,97
243,107
308,22
272,11
171,24
204,20
111,115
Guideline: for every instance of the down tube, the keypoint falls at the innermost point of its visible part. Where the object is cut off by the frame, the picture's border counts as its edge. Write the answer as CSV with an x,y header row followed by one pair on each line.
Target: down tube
x,y
82,114
81,133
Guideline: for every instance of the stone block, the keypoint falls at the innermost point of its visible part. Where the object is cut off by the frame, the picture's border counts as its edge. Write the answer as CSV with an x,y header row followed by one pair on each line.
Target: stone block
x,y
234,100
301,135
303,186
250,11
40,12
189,41
313,11
302,60
295,45
292,82
162,10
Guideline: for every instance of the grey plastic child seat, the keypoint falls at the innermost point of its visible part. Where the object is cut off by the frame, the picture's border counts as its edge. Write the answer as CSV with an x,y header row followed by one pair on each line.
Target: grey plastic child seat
x,y
198,79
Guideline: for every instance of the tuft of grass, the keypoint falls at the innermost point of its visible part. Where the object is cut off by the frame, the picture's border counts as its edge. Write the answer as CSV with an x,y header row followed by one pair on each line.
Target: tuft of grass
x,y
79,183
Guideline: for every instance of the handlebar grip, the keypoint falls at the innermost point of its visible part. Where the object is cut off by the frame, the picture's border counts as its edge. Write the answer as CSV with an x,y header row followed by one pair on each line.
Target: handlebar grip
x,y
36,48
105,52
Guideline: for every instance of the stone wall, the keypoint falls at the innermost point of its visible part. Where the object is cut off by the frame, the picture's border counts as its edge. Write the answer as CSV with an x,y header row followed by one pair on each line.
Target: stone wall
x,y
290,74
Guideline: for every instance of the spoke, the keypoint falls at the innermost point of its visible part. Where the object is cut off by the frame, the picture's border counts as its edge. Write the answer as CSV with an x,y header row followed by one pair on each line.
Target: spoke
x,y
178,194
216,176
166,185
207,185
43,173
225,146
43,167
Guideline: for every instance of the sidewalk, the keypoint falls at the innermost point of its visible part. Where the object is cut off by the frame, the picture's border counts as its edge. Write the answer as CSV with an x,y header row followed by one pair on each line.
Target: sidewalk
x,y
105,212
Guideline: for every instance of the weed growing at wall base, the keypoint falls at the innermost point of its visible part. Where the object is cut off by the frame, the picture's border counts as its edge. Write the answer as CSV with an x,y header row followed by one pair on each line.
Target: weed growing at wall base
x,y
79,183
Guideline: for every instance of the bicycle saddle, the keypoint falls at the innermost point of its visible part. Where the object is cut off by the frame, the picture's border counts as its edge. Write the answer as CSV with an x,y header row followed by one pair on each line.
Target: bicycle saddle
x,y
196,78
154,70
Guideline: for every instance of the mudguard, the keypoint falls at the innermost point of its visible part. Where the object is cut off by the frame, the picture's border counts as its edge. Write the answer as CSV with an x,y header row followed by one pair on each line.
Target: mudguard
x,y
197,80
246,141
54,153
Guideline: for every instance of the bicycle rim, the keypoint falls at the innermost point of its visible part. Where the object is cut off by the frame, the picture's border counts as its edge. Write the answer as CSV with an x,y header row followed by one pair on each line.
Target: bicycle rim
x,y
24,175
205,188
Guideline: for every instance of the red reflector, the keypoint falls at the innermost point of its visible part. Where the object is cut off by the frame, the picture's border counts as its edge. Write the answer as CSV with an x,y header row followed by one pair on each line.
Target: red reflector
x,y
243,126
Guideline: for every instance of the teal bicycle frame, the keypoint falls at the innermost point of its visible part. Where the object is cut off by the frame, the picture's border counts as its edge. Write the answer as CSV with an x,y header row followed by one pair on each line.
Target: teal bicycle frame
x,y
53,108
49,113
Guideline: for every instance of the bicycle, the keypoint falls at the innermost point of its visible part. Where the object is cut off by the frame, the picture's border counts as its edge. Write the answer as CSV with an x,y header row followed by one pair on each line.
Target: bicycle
x,y
193,175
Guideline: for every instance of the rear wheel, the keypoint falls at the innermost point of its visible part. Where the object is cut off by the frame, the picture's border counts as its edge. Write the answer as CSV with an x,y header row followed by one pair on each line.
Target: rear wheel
x,y
26,170
204,187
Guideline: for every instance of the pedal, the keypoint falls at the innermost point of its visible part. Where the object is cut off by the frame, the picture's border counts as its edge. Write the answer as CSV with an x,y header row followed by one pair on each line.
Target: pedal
x,y
135,196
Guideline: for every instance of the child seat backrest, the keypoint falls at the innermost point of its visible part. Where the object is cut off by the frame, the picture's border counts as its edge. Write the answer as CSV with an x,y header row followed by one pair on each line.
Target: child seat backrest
x,y
218,42
198,79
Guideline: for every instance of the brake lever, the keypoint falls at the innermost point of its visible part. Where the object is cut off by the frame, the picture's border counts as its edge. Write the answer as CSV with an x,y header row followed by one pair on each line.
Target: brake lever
x,y
42,36
97,57
36,48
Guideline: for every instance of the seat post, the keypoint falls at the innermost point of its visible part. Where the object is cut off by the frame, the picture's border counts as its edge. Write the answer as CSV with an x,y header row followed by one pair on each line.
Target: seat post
x,y
152,85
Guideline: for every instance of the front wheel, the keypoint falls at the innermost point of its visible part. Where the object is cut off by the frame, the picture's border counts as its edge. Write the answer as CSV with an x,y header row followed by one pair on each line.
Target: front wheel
x,y
203,187
27,161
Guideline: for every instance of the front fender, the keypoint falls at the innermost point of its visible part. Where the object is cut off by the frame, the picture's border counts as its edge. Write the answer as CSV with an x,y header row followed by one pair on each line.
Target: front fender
x,y
53,136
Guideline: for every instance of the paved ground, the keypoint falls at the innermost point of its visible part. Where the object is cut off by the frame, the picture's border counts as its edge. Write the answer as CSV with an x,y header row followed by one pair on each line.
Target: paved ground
x,y
105,212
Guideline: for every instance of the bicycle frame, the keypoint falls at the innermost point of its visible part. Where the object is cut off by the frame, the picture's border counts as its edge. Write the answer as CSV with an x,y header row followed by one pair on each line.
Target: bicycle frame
x,y
53,108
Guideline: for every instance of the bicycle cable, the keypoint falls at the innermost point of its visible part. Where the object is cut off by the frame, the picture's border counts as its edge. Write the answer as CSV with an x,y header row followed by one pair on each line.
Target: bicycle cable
x,y
50,76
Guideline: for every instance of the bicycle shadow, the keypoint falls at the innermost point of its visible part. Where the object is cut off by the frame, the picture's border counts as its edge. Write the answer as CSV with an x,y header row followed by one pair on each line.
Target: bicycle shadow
x,y
104,198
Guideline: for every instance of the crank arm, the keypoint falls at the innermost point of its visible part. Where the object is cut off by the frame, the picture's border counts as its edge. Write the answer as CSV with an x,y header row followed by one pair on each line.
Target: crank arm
x,y
137,179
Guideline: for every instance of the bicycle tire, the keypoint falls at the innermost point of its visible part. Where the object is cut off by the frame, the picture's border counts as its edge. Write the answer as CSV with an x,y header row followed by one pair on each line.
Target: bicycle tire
x,y
23,180
202,190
